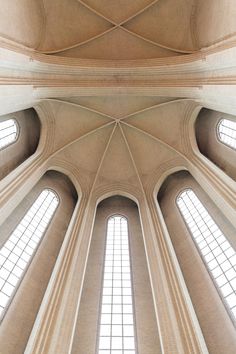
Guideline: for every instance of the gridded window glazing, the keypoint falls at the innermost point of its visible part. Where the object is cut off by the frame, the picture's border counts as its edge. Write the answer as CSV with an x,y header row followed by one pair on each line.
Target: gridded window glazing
x,y
18,250
219,256
8,132
227,132
117,320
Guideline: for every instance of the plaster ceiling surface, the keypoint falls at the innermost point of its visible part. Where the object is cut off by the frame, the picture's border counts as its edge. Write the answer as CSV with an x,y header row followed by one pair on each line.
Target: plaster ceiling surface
x,y
121,29
125,136
117,139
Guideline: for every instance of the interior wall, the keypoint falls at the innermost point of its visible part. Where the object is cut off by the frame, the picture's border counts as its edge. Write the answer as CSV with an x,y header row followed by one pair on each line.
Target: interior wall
x,y
217,327
210,146
19,319
26,144
215,21
87,323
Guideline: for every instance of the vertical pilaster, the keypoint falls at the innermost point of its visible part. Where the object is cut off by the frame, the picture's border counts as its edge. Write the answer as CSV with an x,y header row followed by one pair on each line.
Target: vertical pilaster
x,y
54,327
179,329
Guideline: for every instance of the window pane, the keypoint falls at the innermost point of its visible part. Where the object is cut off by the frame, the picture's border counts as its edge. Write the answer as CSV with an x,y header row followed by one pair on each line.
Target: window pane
x,y
219,256
17,251
227,132
117,318
8,132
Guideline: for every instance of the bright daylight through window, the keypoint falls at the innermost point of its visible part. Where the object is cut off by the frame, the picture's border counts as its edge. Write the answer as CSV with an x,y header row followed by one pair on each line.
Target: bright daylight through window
x,y
227,132
8,132
18,250
117,319
216,251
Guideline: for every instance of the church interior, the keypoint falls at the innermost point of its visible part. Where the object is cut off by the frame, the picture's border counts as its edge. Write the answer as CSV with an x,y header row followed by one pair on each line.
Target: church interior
x,y
117,177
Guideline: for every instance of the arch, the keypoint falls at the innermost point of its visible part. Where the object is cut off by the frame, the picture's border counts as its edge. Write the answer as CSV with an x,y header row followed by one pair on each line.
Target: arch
x,y
26,142
120,193
209,144
164,176
33,286
209,308
69,172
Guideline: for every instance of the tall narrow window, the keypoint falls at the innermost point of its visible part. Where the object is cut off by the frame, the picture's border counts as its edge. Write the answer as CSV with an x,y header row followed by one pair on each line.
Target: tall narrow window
x,y
18,250
227,132
8,132
219,256
116,332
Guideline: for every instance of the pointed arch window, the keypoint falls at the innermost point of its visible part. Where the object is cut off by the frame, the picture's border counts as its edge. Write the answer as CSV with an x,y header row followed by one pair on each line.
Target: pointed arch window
x,y
116,327
226,131
18,250
217,253
9,131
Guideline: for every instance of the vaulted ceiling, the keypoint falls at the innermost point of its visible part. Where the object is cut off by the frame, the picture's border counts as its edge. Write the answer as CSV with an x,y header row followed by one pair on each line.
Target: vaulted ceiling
x,y
117,138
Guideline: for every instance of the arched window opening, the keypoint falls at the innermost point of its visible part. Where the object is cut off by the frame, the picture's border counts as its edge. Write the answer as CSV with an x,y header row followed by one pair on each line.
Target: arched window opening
x,y
217,253
226,131
116,330
9,131
18,250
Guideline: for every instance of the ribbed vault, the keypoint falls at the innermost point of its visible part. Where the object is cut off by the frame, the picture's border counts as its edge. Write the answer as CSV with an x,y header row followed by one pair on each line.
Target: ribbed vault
x,y
117,140
117,86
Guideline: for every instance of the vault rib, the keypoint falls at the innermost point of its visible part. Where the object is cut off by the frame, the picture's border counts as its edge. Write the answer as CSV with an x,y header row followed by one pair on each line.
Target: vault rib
x,y
116,26
139,12
80,43
132,159
155,138
155,106
98,13
157,44
102,159
80,138
132,33
81,106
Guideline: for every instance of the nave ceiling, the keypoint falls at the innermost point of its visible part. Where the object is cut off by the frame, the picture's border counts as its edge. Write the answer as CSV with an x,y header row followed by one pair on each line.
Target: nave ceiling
x,y
120,80
118,140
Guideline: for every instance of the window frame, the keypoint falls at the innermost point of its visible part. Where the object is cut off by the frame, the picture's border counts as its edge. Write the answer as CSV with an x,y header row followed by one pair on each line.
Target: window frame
x,y
18,129
217,287
2,315
218,133
113,215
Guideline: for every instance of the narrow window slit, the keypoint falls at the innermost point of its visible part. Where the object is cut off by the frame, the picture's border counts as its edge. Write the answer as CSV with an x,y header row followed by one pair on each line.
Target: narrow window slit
x,y
116,327
18,250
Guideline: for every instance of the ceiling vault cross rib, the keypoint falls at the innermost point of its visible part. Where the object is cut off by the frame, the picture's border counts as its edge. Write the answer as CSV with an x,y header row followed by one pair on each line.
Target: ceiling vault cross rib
x,y
120,26
168,146
81,106
101,161
154,106
124,21
80,138
143,110
132,159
